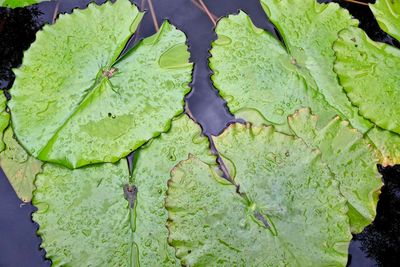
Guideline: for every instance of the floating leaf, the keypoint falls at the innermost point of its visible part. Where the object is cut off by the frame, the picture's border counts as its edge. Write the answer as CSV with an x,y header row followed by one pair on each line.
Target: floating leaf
x,y
309,30
387,13
85,220
289,210
4,119
351,159
19,167
18,3
73,103
369,74
388,144
83,216
152,169
257,77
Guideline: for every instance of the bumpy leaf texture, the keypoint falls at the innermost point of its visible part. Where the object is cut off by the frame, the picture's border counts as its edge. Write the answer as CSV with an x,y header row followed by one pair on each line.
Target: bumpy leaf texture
x,y
309,30
350,158
289,210
75,103
258,78
18,3
19,167
387,13
275,84
369,74
153,165
85,220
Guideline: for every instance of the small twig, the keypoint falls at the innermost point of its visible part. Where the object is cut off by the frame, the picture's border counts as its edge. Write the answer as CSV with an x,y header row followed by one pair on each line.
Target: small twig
x,y
153,14
55,12
357,2
202,9
209,14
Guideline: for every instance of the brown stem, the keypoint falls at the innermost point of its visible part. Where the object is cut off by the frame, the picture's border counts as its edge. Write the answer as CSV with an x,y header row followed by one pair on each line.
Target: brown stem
x,y
153,14
357,2
202,9
209,14
55,13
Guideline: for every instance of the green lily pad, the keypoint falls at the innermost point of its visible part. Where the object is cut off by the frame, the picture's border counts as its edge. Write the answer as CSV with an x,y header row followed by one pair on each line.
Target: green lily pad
x,y
4,119
153,165
309,30
19,167
369,73
85,220
387,13
18,3
289,210
259,85
351,159
83,217
75,103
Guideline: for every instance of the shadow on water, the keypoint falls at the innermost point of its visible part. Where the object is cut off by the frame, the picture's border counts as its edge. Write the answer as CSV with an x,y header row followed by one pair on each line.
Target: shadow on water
x,y
378,244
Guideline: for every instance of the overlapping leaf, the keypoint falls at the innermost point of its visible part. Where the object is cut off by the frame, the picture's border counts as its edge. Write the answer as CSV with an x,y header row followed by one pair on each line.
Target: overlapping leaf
x,y
18,3
289,210
369,72
19,167
387,13
84,219
257,77
351,159
309,30
74,103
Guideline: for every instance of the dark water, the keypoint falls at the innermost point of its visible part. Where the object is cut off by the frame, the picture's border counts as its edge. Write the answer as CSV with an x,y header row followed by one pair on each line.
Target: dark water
x,y
379,244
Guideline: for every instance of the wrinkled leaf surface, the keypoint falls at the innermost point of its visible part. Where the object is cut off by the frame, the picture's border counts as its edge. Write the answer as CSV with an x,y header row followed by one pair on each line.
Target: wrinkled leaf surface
x,y
294,213
85,220
73,103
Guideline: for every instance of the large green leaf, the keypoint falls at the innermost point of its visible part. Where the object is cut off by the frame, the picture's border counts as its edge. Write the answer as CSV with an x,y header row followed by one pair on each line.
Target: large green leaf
x,y
369,73
18,3
151,173
19,167
257,77
4,119
387,13
289,211
350,157
84,219
267,87
309,30
74,103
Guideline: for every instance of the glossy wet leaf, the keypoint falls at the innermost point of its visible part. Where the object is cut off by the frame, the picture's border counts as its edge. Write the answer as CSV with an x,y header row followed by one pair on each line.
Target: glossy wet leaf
x,y
19,167
387,13
18,3
85,220
82,215
350,158
309,30
4,119
153,165
369,73
73,103
294,216
260,85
